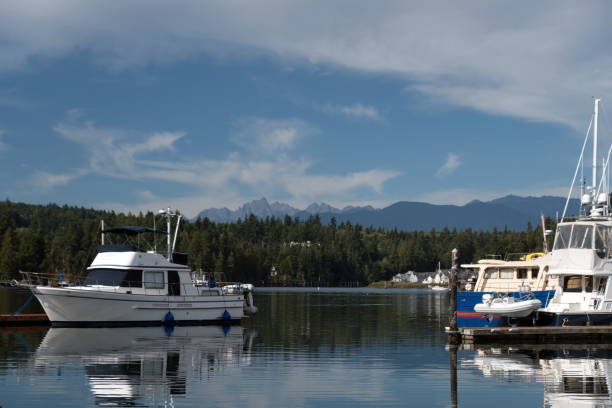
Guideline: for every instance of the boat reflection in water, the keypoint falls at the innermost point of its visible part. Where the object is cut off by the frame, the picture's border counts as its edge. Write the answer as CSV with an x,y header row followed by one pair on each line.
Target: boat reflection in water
x,y
144,366
571,377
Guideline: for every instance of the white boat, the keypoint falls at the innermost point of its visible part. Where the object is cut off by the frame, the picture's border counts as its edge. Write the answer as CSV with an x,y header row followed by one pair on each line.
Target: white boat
x,y
439,288
507,306
582,254
127,286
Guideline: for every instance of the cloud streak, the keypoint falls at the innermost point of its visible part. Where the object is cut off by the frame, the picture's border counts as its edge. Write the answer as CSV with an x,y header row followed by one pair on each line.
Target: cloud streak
x,y
452,163
355,111
489,56
263,164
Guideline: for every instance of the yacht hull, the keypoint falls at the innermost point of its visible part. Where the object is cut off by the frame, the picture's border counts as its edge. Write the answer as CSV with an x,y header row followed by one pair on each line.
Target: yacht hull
x,y
573,319
78,307
467,317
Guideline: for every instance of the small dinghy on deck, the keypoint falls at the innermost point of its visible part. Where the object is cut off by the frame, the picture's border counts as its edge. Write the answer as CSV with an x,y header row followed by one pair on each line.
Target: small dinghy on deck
x,y
507,306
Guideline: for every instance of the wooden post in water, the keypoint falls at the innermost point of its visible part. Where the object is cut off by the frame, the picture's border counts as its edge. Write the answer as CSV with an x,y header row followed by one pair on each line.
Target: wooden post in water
x,y
453,376
453,335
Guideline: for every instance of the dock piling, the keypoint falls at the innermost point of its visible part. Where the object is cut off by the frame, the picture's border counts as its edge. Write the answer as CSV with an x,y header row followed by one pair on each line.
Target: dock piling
x,y
453,334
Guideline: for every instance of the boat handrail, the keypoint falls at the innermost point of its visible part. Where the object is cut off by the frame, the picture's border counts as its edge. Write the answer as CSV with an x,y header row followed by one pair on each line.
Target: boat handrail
x,y
33,279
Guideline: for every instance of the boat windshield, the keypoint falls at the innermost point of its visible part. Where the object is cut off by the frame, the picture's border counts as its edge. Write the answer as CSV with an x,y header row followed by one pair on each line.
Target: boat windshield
x,y
114,277
574,236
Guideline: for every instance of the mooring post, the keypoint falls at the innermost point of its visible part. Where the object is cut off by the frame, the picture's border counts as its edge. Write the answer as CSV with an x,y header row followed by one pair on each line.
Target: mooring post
x,y
453,375
453,336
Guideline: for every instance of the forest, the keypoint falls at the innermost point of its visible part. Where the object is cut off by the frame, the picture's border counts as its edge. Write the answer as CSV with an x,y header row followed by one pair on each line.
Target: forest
x,y
62,239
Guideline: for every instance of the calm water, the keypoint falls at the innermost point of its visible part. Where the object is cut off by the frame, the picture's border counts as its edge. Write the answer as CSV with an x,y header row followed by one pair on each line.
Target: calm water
x,y
344,348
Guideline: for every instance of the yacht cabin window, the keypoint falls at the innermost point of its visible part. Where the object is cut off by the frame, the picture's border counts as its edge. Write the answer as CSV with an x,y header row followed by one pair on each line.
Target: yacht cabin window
x,y
506,273
574,236
154,280
534,272
491,273
572,284
603,240
521,273
114,277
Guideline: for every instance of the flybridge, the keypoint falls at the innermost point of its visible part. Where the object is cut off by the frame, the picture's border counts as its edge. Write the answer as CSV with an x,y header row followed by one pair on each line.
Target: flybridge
x,y
134,241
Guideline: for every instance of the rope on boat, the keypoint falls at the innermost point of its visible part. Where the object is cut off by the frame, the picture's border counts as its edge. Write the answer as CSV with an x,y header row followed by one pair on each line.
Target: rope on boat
x,y
27,302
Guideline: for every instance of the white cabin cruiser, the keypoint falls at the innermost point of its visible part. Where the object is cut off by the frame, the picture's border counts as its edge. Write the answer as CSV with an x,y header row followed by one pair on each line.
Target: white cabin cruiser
x,y
126,286
582,254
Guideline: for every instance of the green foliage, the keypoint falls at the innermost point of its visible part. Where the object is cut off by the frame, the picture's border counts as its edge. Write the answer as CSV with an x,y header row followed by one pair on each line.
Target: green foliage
x,y
57,239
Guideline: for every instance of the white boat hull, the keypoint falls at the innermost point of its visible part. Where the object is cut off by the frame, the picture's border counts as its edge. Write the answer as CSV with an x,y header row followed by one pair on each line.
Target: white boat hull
x,y
521,308
71,306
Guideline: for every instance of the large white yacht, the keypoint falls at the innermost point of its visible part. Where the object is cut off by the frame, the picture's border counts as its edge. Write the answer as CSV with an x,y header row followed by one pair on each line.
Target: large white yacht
x,y
127,286
582,254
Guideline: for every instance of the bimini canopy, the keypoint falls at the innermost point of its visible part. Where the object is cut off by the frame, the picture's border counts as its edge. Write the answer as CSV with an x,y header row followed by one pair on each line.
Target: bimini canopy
x,y
132,230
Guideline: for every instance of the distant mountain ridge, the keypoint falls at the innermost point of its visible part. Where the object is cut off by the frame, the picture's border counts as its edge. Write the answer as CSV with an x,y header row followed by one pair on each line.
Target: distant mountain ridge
x,y
262,209
513,212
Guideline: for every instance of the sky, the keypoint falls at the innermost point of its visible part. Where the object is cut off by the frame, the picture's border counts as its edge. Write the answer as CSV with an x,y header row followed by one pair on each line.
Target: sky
x,y
141,105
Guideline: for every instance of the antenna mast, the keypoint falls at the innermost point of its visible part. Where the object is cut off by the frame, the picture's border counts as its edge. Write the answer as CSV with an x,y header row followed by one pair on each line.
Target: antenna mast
x,y
595,116
168,213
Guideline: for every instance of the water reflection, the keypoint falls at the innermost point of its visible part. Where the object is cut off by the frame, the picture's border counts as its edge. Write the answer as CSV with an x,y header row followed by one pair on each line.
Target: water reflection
x,y
143,366
572,375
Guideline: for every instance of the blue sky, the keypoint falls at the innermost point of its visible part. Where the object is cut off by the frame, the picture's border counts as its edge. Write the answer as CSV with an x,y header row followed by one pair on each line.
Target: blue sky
x,y
146,104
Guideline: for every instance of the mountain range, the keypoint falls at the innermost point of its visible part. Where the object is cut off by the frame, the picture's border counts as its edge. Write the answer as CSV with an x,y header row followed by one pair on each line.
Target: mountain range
x,y
511,211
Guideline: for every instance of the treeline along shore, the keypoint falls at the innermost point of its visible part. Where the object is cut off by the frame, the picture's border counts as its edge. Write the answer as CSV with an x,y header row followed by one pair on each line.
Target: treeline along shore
x,y
63,239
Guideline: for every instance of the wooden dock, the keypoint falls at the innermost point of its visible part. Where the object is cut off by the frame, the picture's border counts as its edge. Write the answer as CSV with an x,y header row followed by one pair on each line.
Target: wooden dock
x,y
536,335
8,320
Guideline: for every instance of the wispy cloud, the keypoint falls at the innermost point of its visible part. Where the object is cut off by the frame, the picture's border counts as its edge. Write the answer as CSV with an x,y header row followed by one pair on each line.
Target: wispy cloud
x,y
354,111
452,163
269,135
48,181
496,58
117,152
263,164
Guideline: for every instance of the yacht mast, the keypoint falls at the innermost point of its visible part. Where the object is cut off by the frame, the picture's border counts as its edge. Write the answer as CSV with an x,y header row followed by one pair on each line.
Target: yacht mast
x,y
595,115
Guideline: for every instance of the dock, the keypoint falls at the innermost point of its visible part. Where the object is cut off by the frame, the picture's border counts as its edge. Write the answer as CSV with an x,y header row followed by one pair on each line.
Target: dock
x,y
536,335
8,320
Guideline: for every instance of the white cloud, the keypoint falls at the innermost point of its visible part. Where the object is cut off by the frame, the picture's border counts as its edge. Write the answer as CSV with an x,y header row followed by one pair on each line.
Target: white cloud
x,y
118,152
263,166
47,181
541,61
269,136
452,163
355,111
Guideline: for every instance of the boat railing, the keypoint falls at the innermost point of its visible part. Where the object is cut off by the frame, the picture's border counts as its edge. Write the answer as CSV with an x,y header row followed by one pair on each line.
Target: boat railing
x,y
33,279
517,256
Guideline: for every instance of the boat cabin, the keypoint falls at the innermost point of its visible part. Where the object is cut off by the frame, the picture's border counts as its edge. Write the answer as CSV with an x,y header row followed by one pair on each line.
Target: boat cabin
x,y
582,261
127,268
509,276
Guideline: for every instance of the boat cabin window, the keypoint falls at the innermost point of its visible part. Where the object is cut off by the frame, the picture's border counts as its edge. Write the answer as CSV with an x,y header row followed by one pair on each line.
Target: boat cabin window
x,y
588,283
572,284
601,287
521,273
574,236
491,273
114,277
506,273
603,241
535,272
154,280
